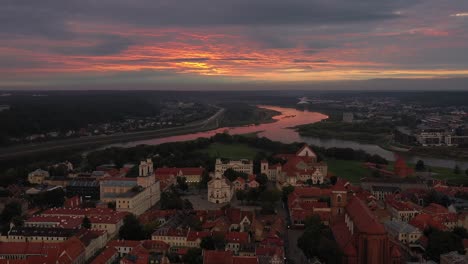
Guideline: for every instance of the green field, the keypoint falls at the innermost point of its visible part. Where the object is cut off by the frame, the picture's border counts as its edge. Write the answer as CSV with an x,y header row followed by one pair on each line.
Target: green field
x,y
231,151
350,170
450,176
369,132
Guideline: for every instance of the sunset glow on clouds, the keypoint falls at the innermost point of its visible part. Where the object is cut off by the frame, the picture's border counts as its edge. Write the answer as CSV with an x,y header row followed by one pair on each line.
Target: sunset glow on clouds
x,y
56,42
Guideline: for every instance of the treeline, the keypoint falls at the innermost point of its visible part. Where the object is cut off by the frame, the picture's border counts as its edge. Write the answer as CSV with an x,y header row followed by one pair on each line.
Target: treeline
x,y
179,154
63,112
244,114
187,154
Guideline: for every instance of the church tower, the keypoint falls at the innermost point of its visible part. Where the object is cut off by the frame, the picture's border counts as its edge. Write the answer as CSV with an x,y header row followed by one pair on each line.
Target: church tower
x,y
339,200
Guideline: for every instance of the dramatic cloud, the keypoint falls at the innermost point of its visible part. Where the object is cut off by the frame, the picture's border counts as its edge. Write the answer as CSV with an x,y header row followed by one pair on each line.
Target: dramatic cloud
x,y
152,41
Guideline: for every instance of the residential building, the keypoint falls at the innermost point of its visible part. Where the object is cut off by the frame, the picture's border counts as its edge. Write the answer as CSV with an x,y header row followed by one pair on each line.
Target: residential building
x,y
402,231
70,251
402,211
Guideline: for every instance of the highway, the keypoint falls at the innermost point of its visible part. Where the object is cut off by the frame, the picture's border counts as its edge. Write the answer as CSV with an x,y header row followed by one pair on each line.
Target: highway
x,y
84,142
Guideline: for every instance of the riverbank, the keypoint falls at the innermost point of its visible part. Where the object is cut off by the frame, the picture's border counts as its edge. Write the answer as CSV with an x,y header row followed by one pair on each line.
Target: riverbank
x,y
373,133
240,114
96,141
441,152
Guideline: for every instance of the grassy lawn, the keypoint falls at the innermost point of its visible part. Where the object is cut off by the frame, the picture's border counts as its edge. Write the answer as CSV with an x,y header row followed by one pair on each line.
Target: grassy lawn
x,y
231,151
350,170
450,176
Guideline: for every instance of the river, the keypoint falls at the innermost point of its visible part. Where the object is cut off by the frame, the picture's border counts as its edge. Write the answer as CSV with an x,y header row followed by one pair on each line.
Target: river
x,y
280,130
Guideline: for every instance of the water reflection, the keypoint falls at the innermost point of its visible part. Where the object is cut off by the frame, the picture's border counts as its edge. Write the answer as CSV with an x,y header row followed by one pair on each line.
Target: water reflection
x,y
280,130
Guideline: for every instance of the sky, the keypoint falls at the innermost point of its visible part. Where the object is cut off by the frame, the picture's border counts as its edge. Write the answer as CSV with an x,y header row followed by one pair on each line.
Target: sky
x,y
171,43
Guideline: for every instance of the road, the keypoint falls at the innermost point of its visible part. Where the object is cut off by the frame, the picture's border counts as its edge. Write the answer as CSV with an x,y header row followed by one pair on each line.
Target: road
x,y
292,252
83,142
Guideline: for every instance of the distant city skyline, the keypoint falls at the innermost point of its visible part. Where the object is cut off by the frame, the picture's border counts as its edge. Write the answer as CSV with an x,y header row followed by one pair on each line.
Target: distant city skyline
x,y
239,44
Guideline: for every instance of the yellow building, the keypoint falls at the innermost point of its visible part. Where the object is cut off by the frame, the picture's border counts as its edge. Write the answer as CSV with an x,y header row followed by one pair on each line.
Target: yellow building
x,y
38,176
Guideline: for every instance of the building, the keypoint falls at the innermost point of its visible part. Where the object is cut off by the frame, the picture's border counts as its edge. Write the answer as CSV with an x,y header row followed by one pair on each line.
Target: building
x,y
402,231
298,170
38,176
235,240
239,184
175,238
362,238
453,258
243,165
34,234
100,218
87,188
402,211
348,117
220,189
133,195
307,201
191,175
381,192
227,257
70,251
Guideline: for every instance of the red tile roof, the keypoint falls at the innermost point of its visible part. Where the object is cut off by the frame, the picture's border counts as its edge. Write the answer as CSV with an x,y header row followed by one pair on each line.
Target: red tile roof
x,y
423,221
435,209
244,260
344,238
237,237
362,217
217,257
269,251
194,235
123,243
105,256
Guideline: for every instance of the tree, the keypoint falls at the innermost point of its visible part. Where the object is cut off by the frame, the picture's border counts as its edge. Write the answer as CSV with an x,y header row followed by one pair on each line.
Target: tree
x,y
456,170
420,166
193,256
461,232
309,240
286,191
182,183
441,242
232,175
204,180
131,229
309,182
207,243
262,179
86,223
376,174
268,200
194,222
333,179
187,205
466,172
150,227
11,210
111,205
240,195
252,195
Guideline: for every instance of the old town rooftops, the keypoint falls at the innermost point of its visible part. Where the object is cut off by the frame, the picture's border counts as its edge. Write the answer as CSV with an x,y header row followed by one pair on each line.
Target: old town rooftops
x,y
363,218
